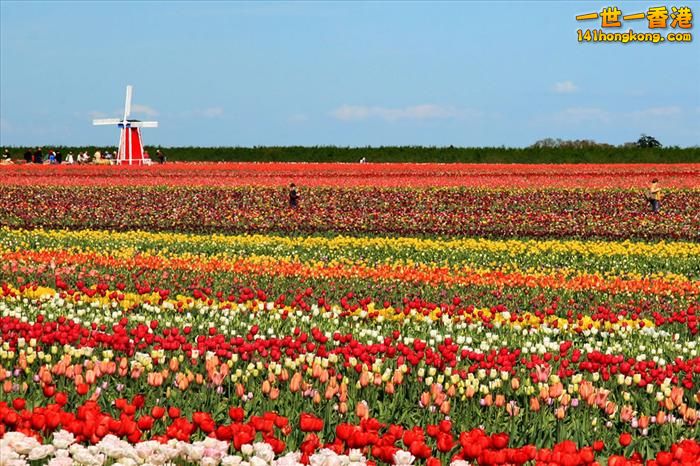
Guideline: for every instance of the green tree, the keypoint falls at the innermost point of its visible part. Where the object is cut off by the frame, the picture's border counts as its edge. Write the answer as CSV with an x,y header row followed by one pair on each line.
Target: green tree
x,y
648,141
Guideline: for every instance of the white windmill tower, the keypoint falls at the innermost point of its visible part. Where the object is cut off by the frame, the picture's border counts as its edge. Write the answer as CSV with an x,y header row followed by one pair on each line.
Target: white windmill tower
x,y
130,142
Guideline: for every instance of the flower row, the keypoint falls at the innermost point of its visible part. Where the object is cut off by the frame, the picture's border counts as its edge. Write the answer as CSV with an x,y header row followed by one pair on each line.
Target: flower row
x,y
614,214
337,174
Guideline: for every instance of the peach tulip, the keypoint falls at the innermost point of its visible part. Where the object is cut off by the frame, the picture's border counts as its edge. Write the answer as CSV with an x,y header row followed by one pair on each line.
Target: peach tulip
x,y
445,407
661,417
295,383
626,413
362,410
643,422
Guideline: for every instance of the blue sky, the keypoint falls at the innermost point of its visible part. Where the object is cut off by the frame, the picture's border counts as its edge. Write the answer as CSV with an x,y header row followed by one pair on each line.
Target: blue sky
x,y
491,73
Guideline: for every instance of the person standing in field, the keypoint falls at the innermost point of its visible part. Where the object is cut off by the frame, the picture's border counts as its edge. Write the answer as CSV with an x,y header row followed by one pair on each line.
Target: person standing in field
x,y
38,156
293,196
161,156
28,156
654,195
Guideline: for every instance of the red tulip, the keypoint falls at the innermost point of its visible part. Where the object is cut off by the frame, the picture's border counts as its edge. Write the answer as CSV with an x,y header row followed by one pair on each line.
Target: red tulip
x,y
19,404
236,413
310,423
157,412
625,439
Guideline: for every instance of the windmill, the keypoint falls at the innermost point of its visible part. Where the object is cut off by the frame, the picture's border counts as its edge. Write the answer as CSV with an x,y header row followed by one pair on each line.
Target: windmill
x,y
130,142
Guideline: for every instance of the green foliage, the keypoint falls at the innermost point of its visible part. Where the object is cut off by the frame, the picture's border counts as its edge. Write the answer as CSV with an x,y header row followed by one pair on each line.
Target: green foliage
x,y
450,154
648,141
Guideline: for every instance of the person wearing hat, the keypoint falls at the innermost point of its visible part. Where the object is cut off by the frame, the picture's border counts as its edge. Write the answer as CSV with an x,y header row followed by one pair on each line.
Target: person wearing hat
x,y
6,157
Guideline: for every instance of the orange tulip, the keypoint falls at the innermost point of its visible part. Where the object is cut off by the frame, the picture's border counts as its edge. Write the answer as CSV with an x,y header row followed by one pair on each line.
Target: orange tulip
x,y
556,390
362,410
643,422
677,395
690,416
364,378
610,408
389,388
565,399
295,383
440,399
626,413
515,383
661,417
560,412
445,407
470,392
44,374
585,389
668,403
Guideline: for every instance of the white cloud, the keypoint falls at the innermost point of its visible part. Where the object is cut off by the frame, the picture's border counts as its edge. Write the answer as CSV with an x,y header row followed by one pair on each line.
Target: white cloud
x,y
97,114
119,113
298,118
416,112
144,109
583,115
565,87
657,112
211,112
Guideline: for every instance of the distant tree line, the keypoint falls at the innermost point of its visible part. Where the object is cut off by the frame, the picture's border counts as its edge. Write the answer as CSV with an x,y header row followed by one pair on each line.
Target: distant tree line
x,y
644,141
544,151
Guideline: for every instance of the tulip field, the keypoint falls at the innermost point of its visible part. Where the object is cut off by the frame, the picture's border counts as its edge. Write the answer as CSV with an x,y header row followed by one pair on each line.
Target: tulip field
x,y
407,314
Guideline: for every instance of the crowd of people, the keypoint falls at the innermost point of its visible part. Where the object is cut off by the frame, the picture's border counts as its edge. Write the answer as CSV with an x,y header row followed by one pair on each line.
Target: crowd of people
x,y
55,157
